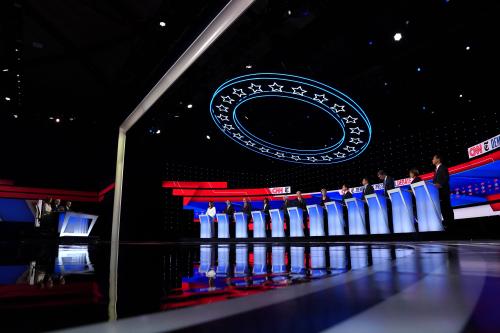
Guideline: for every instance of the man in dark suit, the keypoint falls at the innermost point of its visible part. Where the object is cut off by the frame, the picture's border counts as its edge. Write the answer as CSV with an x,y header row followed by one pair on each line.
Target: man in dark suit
x,y
284,208
324,199
301,203
389,184
442,181
265,208
229,210
367,188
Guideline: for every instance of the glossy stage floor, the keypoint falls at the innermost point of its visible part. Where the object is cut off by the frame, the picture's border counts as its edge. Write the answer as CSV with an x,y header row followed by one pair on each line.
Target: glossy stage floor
x,y
261,287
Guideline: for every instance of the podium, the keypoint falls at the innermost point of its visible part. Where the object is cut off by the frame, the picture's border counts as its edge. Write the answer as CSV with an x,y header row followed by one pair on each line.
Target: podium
x,y
241,220
356,216
297,260
223,226
377,208
428,207
402,210
222,259
278,260
336,221
316,224
206,226
241,267
296,221
259,224
259,260
277,223
75,224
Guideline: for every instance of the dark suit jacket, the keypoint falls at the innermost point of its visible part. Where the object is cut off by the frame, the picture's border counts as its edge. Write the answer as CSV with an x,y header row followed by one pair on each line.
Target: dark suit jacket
x,y
442,177
266,209
346,195
247,209
416,180
301,204
388,184
322,202
229,210
367,190
284,207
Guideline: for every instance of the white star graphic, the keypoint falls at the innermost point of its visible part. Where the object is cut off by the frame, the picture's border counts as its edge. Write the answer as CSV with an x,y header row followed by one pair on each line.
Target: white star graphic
x,y
355,130
223,117
237,135
255,88
311,158
238,92
339,154
299,91
356,141
295,157
227,99
322,99
222,108
228,127
350,119
326,158
264,150
249,143
349,148
338,108
275,87
279,154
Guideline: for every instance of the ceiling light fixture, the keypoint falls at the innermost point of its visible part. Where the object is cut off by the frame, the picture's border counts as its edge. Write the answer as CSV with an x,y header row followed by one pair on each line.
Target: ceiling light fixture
x,y
398,36
162,24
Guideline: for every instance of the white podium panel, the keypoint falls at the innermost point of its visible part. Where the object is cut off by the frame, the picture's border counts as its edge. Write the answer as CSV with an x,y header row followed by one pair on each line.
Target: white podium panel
x,y
296,221
402,210
241,267
428,207
277,223
206,226
356,216
222,259
336,221
316,224
278,260
297,260
377,208
241,220
222,226
259,259
259,224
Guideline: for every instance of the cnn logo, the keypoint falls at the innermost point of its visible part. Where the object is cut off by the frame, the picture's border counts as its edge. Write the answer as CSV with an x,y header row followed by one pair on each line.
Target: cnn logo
x,y
476,150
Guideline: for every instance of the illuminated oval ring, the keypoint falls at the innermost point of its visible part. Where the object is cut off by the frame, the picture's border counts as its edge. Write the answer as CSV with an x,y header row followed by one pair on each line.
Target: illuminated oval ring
x,y
355,126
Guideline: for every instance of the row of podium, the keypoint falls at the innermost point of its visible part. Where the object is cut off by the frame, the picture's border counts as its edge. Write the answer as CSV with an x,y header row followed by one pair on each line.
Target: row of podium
x,y
426,198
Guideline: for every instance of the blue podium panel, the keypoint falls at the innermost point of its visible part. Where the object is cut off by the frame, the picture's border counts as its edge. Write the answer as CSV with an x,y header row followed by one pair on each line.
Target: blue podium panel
x,y
222,259
296,221
318,261
75,224
259,259
206,262
359,256
277,223
377,208
241,267
316,225
338,257
336,221
428,207
241,220
356,216
278,260
259,224
381,258
222,226
402,210
206,226
297,265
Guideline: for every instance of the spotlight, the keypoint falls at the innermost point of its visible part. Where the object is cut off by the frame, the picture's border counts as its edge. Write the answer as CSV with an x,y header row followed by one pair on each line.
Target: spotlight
x,y
370,42
162,24
58,120
208,137
189,106
467,48
15,116
398,36
5,70
461,95
158,131
51,118
419,69
7,98
248,66
289,12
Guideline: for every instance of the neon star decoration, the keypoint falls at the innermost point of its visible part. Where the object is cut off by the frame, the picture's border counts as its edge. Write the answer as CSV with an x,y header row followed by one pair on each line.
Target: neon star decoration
x,y
351,119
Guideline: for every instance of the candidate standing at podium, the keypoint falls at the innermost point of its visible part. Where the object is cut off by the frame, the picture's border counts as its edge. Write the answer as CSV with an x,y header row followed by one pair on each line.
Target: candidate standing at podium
x,y
324,199
211,212
247,207
389,184
265,209
367,188
442,181
229,210
346,194
286,216
301,203
414,179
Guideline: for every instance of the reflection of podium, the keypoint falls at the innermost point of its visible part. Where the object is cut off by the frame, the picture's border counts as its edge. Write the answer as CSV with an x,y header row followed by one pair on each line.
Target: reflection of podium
x,y
241,267
428,207
206,261
336,221
278,259
296,221
316,227
318,261
75,224
402,210
259,259
277,223
241,220
377,208
206,226
297,263
356,216
338,257
222,226
259,224
222,259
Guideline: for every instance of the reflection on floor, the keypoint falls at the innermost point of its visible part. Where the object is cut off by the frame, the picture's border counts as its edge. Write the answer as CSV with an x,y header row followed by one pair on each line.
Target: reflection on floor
x,y
317,287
